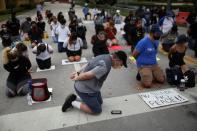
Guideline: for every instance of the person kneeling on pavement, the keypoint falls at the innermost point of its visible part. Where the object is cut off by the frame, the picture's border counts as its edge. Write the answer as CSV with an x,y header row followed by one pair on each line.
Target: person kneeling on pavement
x,y
18,67
43,53
177,53
89,80
145,53
73,46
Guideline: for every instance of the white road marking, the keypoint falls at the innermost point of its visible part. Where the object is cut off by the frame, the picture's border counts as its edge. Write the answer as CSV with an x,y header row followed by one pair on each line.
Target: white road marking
x,y
39,70
67,62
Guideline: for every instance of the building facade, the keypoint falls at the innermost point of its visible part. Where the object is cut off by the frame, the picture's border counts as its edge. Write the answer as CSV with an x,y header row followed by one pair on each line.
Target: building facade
x,y
4,4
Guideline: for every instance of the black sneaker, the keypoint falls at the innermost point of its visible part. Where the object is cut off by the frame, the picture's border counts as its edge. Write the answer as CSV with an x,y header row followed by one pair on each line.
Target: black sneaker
x,y
67,104
138,77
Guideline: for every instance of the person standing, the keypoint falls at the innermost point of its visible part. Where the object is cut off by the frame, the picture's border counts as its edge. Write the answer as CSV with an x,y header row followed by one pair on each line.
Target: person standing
x,y
86,11
89,81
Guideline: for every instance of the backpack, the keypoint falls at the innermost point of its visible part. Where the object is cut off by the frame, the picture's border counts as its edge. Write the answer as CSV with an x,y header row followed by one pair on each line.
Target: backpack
x,y
174,75
190,78
40,90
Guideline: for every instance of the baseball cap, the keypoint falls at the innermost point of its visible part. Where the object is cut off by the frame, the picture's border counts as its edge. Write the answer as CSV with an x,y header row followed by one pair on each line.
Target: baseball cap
x,y
155,29
122,56
181,39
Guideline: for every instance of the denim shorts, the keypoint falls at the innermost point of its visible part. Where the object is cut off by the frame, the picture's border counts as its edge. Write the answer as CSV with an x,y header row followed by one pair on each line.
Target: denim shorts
x,y
92,100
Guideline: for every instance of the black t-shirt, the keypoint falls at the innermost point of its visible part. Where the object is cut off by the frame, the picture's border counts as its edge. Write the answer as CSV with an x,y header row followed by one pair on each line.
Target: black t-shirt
x,y
81,32
13,26
41,25
36,35
193,29
6,38
18,69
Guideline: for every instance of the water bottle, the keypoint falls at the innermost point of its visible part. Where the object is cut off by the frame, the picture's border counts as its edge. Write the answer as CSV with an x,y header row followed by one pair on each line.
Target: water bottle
x,y
29,100
182,85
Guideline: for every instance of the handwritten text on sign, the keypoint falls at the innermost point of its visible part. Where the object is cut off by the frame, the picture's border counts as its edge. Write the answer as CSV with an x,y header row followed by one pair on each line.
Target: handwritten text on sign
x,y
162,98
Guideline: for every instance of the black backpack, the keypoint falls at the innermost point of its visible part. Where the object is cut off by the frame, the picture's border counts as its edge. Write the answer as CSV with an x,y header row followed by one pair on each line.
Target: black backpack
x,y
190,78
174,75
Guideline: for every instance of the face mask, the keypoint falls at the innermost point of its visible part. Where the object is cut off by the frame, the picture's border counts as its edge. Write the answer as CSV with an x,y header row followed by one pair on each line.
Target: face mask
x,y
156,37
62,26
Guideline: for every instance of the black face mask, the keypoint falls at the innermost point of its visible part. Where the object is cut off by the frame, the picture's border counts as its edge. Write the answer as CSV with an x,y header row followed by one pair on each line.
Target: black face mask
x,y
156,37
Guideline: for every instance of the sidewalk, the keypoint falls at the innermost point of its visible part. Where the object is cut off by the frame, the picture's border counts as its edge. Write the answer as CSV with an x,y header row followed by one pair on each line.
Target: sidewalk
x,y
120,92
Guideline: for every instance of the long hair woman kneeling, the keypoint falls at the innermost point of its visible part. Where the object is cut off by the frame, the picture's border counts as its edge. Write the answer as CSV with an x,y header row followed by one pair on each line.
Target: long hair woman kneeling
x,y
73,47
17,66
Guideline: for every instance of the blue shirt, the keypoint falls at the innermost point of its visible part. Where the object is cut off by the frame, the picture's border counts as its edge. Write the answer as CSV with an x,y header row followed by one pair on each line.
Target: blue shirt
x,y
147,52
85,10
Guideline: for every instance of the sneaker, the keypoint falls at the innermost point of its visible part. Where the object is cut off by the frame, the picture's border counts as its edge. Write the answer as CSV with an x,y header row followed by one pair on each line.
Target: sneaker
x,y
138,77
67,104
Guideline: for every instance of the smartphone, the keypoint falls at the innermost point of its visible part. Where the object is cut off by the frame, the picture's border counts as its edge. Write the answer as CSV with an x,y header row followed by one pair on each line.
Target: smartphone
x,y
116,112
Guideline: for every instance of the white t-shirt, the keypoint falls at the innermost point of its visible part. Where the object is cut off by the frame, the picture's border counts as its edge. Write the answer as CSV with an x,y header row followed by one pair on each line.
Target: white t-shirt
x,y
167,24
62,33
95,11
43,55
74,47
54,28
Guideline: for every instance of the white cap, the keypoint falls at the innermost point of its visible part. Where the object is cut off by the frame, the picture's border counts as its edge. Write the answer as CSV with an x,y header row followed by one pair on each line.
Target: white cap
x,y
117,11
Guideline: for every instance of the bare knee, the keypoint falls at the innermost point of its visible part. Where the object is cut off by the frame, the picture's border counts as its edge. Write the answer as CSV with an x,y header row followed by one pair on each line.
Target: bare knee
x,y
161,79
147,84
77,58
71,58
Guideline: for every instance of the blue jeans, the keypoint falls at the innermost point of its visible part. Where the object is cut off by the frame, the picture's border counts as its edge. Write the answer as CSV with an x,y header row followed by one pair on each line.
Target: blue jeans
x,y
92,100
60,47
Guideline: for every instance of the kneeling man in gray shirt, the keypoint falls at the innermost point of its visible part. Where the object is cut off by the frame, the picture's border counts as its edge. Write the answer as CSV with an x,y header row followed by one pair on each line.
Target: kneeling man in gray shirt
x,y
89,80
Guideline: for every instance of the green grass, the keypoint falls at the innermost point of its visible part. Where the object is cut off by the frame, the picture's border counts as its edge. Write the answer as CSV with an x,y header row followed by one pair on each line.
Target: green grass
x,y
4,17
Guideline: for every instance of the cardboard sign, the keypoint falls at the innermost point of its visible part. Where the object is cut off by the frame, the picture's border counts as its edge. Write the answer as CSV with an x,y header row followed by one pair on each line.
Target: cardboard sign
x,y
67,62
162,98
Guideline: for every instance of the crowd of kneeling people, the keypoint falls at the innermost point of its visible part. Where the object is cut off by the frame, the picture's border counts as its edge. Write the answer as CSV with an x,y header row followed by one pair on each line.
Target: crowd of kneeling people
x,y
144,38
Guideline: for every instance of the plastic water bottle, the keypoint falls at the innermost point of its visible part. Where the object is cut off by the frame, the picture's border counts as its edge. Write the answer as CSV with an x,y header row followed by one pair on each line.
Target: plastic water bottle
x,y
30,91
182,85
